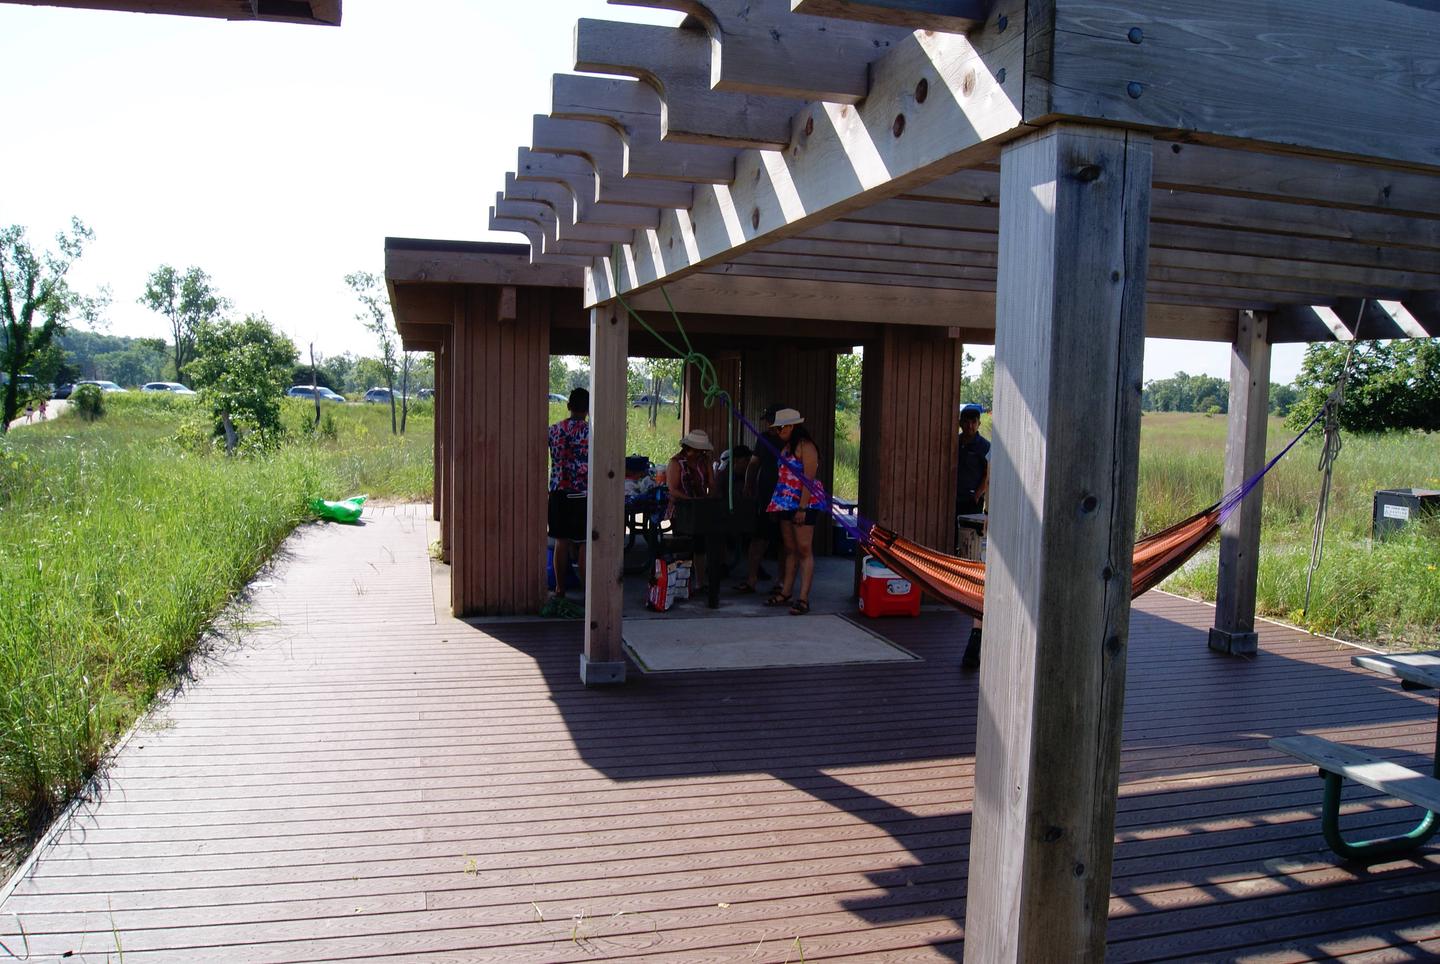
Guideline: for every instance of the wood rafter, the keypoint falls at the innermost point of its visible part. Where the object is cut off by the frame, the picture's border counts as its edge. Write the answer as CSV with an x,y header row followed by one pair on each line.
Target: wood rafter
x,y
955,16
758,47
602,146
677,62
844,158
633,108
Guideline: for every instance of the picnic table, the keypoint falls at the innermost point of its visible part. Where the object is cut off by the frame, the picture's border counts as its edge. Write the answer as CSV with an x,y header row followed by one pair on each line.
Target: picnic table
x,y
1338,762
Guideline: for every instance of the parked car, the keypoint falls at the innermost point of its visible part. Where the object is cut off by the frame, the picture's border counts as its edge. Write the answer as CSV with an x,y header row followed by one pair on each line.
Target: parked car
x,y
104,386
174,388
378,395
558,398
305,391
425,394
643,401
62,391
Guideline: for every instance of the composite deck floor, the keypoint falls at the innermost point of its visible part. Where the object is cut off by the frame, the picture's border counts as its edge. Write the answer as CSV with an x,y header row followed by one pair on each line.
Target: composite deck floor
x,y
359,776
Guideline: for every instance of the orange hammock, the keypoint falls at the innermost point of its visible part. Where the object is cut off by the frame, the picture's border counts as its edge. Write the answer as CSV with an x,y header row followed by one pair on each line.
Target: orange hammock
x,y
961,582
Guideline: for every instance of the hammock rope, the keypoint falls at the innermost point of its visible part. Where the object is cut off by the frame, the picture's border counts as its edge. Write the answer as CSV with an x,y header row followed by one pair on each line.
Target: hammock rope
x,y
961,582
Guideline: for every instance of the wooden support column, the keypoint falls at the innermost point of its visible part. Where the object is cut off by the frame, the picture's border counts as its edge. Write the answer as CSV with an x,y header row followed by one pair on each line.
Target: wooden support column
x,y
1069,344
603,660
713,420
498,377
912,410
437,499
1234,629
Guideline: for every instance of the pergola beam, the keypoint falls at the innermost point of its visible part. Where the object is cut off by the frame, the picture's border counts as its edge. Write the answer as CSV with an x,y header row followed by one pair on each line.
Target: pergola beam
x,y
677,62
601,145
633,108
1276,75
758,47
844,158
954,16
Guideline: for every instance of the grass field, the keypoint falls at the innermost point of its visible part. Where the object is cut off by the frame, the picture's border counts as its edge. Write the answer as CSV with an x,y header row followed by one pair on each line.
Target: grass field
x,y
119,545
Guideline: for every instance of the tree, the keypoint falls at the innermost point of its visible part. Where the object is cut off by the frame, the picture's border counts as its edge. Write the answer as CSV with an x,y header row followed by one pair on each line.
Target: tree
x,y
1392,386
981,389
186,301
36,303
849,371
243,368
1282,398
375,315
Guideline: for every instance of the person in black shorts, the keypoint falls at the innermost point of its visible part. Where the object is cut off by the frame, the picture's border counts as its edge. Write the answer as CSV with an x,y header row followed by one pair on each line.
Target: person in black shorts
x,y
569,485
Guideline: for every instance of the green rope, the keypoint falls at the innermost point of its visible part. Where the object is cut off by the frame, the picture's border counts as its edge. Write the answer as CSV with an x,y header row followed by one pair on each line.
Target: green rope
x,y
710,389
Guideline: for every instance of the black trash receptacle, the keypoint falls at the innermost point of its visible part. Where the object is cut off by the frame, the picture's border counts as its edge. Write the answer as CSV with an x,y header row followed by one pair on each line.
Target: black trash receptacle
x,y
1394,508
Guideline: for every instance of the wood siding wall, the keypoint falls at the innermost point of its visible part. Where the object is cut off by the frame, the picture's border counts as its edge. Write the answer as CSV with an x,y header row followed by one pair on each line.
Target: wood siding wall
x,y
803,379
500,382
909,433
714,420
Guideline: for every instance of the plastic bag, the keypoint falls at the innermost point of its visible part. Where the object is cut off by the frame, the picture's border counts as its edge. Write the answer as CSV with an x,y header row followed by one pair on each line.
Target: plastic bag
x,y
346,511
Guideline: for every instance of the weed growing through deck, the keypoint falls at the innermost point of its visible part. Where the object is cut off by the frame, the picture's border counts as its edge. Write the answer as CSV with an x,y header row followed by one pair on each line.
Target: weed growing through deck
x,y
120,541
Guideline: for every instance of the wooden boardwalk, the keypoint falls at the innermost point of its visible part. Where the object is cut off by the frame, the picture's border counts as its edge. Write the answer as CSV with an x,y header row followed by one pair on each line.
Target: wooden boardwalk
x,y
362,777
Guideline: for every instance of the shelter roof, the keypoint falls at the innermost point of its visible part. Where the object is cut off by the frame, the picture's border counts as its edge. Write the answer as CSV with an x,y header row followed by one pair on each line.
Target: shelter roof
x,y
840,160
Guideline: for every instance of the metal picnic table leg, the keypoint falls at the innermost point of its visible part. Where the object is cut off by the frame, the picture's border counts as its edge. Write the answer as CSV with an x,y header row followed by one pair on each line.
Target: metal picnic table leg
x,y
1381,847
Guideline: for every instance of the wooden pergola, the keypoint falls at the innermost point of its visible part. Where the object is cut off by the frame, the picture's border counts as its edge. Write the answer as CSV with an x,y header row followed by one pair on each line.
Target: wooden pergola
x,y
1063,178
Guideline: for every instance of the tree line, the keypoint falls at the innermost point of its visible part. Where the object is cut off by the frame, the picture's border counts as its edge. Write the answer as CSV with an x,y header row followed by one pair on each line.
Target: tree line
x,y
48,336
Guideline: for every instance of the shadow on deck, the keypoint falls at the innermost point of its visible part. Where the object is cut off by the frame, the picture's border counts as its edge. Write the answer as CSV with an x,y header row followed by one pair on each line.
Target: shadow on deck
x,y
367,777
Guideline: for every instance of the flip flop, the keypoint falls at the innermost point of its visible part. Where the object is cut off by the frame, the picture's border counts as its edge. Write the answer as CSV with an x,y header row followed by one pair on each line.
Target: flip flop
x,y
800,607
777,599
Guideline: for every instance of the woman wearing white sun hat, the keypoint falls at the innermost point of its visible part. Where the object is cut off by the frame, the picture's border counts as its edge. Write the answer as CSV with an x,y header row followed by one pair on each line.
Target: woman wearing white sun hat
x,y
797,510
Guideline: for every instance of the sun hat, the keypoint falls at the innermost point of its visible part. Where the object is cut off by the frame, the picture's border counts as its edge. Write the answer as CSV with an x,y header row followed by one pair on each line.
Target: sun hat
x,y
696,438
786,416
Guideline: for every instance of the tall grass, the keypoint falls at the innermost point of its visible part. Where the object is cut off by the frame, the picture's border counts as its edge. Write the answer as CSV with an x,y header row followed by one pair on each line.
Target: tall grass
x,y
1384,592
119,545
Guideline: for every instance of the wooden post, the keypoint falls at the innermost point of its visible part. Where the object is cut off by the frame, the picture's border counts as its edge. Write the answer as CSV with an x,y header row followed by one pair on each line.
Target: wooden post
x,y
437,499
1074,223
603,660
1234,629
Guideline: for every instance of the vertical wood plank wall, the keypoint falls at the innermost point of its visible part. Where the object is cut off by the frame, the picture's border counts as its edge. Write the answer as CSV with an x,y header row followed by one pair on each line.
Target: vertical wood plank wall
x,y
713,420
437,498
909,433
501,379
803,379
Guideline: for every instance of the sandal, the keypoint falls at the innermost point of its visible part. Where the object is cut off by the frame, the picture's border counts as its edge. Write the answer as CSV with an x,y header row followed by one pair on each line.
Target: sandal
x,y
743,588
800,608
778,598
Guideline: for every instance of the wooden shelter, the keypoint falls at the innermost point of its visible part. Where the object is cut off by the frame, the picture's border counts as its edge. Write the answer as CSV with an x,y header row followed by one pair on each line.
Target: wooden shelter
x,y
1064,177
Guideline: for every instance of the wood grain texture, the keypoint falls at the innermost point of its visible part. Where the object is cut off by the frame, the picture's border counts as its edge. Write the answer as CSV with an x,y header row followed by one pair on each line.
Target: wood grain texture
x,y
609,404
842,158
360,777
1257,72
1069,345
1239,565
949,15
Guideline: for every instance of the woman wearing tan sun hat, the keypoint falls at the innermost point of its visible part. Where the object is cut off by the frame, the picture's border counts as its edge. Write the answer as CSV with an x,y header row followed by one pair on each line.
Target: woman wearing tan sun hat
x,y
689,477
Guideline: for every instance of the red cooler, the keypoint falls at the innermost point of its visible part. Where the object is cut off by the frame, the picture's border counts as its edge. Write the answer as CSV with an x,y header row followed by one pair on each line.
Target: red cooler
x,y
884,592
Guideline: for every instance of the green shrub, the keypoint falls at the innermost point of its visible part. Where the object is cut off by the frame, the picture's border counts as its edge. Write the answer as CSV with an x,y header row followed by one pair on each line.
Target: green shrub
x,y
88,402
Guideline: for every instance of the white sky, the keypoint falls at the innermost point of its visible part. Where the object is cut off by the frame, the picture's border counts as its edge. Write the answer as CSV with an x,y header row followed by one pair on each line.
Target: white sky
x,y
279,157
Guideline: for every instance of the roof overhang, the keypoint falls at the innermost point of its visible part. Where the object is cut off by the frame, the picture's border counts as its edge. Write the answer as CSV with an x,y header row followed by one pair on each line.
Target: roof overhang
x,y
325,12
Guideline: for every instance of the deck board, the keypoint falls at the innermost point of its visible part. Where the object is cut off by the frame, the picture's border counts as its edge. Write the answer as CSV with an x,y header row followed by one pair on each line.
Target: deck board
x,y
361,777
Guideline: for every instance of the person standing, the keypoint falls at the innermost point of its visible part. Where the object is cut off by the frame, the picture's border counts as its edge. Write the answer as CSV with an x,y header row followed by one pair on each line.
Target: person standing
x,y
760,478
569,486
797,509
689,477
972,484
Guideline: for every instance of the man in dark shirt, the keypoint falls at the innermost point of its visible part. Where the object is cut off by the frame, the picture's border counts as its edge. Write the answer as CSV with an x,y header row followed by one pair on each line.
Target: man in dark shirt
x,y
972,482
